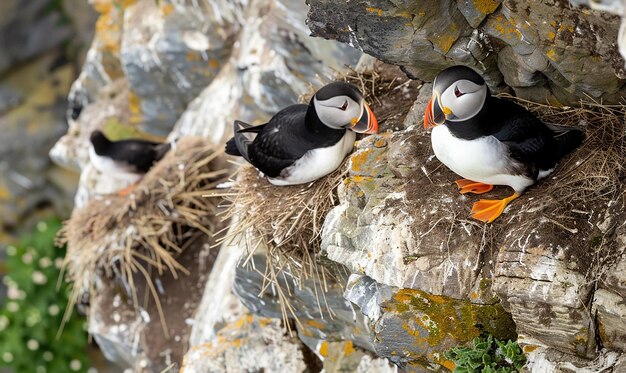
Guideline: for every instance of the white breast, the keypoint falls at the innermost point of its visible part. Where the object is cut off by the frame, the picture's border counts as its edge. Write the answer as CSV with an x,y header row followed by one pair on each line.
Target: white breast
x,y
316,163
111,168
484,159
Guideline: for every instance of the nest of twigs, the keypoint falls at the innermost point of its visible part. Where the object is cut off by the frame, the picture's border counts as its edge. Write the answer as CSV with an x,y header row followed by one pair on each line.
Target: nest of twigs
x,y
587,184
285,222
144,232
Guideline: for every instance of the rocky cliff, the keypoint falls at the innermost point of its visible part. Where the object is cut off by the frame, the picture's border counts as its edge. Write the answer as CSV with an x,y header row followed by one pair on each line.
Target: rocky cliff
x,y
409,275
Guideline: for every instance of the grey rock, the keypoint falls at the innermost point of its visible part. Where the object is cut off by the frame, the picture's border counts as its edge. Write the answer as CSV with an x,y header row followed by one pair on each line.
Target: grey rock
x,y
551,51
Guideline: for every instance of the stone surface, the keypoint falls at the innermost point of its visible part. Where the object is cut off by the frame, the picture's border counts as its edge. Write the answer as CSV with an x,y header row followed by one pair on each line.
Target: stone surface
x,y
132,335
251,344
544,50
275,62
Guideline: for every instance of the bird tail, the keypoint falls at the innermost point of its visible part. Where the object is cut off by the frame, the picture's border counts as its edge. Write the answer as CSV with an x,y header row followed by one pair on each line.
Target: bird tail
x,y
567,138
161,150
238,145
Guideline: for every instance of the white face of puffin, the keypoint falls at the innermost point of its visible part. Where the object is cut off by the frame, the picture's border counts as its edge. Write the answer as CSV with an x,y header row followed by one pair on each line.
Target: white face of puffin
x,y
459,94
462,100
340,105
338,112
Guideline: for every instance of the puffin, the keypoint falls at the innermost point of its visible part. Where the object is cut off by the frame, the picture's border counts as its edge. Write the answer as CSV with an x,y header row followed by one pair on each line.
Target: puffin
x,y
303,143
124,160
490,141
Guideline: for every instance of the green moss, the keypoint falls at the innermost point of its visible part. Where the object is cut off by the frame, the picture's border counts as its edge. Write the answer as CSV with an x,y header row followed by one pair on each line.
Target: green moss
x,y
31,339
446,317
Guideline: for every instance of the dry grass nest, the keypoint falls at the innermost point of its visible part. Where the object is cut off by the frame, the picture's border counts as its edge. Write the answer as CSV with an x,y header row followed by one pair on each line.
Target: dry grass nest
x,y
119,237
588,185
285,223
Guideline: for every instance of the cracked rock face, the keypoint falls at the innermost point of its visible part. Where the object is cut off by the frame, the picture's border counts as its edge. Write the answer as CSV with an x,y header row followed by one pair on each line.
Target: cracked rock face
x,y
402,224
543,50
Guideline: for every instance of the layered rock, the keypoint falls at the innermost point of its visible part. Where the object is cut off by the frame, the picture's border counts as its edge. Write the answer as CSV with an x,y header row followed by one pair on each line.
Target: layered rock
x,y
545,51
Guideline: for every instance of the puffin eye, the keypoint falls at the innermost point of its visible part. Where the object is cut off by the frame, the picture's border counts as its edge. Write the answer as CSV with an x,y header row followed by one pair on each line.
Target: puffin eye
x,y
344,106
458,93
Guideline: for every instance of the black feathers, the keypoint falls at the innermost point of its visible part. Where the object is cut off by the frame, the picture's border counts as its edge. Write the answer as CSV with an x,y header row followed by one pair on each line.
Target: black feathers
x,y
136,155
279,143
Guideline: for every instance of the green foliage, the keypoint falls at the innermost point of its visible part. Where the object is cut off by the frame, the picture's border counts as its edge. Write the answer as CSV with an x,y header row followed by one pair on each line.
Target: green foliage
x,y
487,355
32,314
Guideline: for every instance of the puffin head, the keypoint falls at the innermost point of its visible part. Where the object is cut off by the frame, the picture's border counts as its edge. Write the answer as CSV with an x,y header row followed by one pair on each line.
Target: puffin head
x,y
341,105
459,94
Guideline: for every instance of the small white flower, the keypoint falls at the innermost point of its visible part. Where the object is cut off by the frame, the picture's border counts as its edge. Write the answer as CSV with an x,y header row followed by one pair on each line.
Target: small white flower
x,y
42,226
11,250
92,370
45,262
58,263
40,369
7,357
75,365
13,307
13,293
53,310
47,356
33,318
32,344
4,322
39,278
27,258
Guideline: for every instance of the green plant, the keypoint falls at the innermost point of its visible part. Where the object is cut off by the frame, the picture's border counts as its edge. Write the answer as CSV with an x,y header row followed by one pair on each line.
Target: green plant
x,y
32,313
487,355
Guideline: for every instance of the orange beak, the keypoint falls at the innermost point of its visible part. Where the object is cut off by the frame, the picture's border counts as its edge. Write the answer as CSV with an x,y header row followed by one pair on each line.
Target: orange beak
x,y
367,123
433,116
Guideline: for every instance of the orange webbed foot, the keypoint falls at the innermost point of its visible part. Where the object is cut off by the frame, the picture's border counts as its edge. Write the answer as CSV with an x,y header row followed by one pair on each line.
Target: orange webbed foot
x,y
487,210
469,186
126,191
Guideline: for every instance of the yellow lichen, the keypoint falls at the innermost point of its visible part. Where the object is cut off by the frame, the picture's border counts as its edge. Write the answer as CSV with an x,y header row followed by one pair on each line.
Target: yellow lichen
x,y
324,349
375,10
485,6
348,348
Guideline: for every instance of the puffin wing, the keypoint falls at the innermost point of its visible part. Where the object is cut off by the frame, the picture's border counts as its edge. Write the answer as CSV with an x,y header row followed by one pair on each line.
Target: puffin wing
x,y
282,141
244,135
532,142
135,155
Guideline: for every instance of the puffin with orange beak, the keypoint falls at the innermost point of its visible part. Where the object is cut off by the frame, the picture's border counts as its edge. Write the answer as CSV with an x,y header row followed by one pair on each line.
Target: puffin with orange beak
x,y
489,141
303,143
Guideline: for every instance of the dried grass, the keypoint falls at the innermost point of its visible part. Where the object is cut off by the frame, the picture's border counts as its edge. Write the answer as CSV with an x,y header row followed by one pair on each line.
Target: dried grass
x,y
120,237
284,223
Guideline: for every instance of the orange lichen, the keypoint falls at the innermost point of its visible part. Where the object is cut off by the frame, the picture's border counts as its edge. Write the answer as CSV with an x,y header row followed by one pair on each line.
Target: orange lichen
x,y
445,41
375,10
324,349
4,193
166,9
348,348
486,6
529,348
315,324
213,63
552,55
359,159
134,106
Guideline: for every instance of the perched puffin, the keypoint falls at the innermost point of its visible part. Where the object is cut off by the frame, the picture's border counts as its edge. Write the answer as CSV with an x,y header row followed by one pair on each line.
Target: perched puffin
x,y
490,141
302,143
124,160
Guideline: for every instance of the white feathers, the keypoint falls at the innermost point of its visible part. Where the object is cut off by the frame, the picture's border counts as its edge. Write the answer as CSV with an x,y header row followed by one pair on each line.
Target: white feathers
x,y
464,99
338,112
484,159
316,163
111,168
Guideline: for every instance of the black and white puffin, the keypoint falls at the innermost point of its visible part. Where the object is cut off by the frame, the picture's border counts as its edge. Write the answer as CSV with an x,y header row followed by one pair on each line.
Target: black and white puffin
x,y
302,143
489,141
124,160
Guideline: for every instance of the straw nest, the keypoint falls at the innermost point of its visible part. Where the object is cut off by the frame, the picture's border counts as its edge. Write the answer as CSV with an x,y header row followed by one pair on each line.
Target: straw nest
x,y
587,187
144,232
285,223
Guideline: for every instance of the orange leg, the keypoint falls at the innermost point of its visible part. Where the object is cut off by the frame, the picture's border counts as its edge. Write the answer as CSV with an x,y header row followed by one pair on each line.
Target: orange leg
x,y
487,210
469,186
128,190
